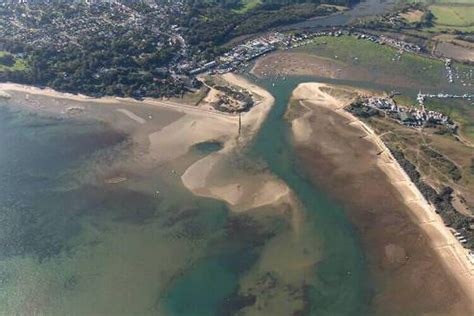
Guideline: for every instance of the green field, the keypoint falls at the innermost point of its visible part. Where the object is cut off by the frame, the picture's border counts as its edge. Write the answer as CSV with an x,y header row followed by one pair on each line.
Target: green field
x,y
450,15
20,64
453,15
248,5
379,58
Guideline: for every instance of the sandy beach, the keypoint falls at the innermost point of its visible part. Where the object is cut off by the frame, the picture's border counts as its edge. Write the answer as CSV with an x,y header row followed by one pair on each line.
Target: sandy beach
x,y
416,262
315,100
48,92
171,141
242,191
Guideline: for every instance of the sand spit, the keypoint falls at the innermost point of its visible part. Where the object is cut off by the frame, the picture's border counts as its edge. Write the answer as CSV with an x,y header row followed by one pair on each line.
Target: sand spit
x,y
448,249
243,190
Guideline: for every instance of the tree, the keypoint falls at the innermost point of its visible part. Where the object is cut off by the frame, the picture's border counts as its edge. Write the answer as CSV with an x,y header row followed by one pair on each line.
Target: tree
x,y
7,60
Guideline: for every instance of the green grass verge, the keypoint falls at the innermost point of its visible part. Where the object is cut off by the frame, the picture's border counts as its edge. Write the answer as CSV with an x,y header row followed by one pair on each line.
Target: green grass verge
x,y
248,5
20,64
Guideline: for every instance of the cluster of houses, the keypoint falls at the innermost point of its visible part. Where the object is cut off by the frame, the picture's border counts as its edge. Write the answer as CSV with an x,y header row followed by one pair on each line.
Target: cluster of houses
x,y
245,52
73,22
413,117
462,239
230,99
402,45
241,54
383,40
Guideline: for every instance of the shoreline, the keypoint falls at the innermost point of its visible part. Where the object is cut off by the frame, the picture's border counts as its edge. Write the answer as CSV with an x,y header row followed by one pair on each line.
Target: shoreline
x,y
448,250
197,125
48,92
240,192
245,191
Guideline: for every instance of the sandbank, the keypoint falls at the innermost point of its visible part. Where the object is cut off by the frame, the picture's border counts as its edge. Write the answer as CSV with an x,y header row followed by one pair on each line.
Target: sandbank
x,y
244,190
450,252
196,124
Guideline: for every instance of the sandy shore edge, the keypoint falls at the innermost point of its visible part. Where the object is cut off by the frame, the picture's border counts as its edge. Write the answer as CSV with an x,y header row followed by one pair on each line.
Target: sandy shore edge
x,y
237,193
453,256
195,126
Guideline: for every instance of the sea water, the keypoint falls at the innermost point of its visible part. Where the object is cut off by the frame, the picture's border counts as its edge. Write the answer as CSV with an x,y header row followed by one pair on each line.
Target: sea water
x,y
342,284
72,244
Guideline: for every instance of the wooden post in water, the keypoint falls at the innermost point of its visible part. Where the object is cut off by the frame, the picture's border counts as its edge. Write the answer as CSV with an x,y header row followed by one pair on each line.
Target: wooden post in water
x,y
240,122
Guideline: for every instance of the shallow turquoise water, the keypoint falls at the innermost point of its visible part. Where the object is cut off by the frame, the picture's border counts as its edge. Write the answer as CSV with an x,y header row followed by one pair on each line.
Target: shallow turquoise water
x,y
180,254
207,147
69,245
203,289
343,286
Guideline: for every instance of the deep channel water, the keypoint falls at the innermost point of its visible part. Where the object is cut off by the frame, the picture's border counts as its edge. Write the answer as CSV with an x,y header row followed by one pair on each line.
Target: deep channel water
x,y
343,287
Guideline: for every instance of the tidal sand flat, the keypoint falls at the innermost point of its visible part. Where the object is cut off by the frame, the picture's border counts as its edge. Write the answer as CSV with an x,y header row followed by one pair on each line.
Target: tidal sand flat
x,y
100,219
417,265
217,174
155,207
73,241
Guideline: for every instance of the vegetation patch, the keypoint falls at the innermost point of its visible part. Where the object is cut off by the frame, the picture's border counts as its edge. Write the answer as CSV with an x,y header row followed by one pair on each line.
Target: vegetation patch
x,y
360,110
453,15
441,163
412,16
248,5
442,200
8,62
380,58
461,111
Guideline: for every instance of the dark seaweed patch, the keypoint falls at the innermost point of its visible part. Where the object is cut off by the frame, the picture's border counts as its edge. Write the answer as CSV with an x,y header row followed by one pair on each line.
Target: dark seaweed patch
x,y
38,216
234,303
196,223
45,226
70,283
181,216
246,230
